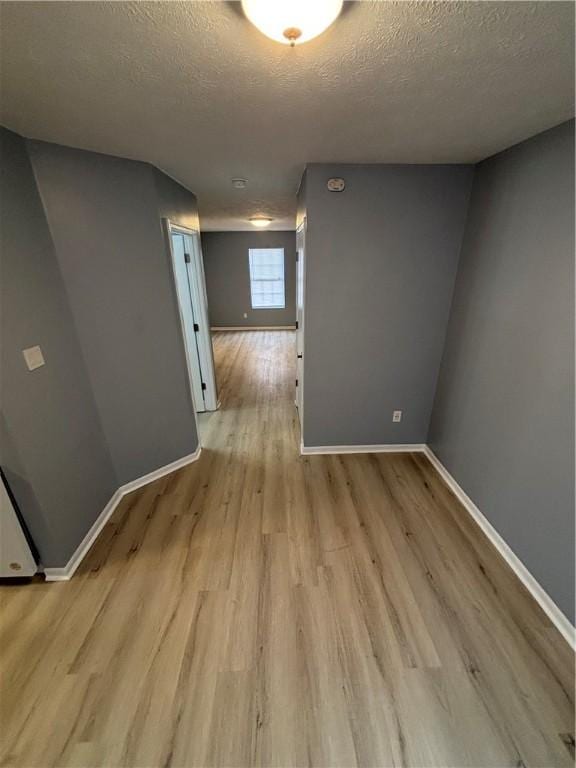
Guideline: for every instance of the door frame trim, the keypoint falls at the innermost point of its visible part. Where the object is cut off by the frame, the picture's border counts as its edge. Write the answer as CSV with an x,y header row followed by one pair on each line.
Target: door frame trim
x,y
301,230
207,361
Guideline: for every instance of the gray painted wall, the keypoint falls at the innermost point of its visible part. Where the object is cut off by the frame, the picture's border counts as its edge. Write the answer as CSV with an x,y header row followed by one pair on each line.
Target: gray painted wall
x,y
503,419
175,202
228,277
104,214
381,260
52,446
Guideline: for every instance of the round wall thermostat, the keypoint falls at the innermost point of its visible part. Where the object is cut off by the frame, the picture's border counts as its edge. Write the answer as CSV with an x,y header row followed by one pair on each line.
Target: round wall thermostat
x,y
336,185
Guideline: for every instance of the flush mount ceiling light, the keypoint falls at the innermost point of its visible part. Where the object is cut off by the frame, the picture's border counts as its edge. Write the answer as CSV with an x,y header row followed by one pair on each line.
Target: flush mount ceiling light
x,y
292,21
261,221
239,183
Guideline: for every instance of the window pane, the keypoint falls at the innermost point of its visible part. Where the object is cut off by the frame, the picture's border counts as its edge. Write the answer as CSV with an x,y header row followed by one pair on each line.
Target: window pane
x,y
267,278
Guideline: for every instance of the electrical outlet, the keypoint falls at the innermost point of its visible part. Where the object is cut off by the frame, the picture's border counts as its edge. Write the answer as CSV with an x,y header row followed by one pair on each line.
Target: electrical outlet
x,y
396,416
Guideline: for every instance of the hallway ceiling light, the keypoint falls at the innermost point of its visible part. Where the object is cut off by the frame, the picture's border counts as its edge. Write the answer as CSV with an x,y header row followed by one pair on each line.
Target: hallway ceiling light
x,y
261,221
292,21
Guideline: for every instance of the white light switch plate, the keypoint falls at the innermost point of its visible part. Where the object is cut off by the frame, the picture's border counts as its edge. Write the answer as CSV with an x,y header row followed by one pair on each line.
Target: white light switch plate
x,y
34,357
397,416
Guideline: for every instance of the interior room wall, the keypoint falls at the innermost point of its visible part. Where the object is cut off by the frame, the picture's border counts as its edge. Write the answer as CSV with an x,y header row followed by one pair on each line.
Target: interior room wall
x,y
503,418
175,202
381,259
105,215
228,277
52,446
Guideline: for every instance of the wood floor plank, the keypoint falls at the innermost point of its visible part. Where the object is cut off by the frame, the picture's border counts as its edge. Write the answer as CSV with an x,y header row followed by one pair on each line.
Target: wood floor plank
x,y
260,608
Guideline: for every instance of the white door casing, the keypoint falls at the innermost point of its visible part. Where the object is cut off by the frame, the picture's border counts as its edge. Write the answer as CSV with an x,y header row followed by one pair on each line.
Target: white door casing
x,y
300,294
186,257
199,298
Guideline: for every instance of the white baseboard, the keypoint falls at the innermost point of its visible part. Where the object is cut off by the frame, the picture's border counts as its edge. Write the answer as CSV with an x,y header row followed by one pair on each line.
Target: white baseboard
x,y
158,473
253,328
560,621
67,571
306,450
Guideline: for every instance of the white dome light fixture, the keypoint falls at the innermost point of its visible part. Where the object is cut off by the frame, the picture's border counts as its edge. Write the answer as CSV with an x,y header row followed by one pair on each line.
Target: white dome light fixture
x,y
292,21
261,221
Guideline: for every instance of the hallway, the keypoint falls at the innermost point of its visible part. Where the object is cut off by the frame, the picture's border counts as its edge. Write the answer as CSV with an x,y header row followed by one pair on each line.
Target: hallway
x,y
262,608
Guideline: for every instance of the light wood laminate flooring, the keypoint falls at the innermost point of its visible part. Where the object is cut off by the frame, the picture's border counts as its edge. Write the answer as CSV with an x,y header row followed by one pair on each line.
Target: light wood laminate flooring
x,y
259,608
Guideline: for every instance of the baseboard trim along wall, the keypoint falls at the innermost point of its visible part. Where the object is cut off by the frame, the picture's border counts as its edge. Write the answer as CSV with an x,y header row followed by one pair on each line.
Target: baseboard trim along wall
x,y
309,450
253,328
558,619
67,571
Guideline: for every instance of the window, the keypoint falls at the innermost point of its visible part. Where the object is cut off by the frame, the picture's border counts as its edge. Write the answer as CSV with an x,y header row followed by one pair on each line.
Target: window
x,y
267,278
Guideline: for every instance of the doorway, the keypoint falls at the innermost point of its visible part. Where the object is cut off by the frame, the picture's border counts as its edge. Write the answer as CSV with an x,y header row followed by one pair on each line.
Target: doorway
x,y
186,257
300,285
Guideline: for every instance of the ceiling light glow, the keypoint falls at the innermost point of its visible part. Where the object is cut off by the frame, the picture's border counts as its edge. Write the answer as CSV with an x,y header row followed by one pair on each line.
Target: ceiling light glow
x,y
261,221
292,21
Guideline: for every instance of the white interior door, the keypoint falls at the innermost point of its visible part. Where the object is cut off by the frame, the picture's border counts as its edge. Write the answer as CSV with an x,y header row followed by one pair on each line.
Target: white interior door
x,y
300,264
187,318
193,305
199,300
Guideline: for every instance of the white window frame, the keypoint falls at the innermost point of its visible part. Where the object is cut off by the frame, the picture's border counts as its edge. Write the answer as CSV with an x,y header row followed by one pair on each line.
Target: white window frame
x,y
255,280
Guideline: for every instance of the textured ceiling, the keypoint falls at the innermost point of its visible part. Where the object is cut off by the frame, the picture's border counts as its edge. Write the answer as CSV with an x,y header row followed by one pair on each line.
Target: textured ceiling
x,y
193,88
